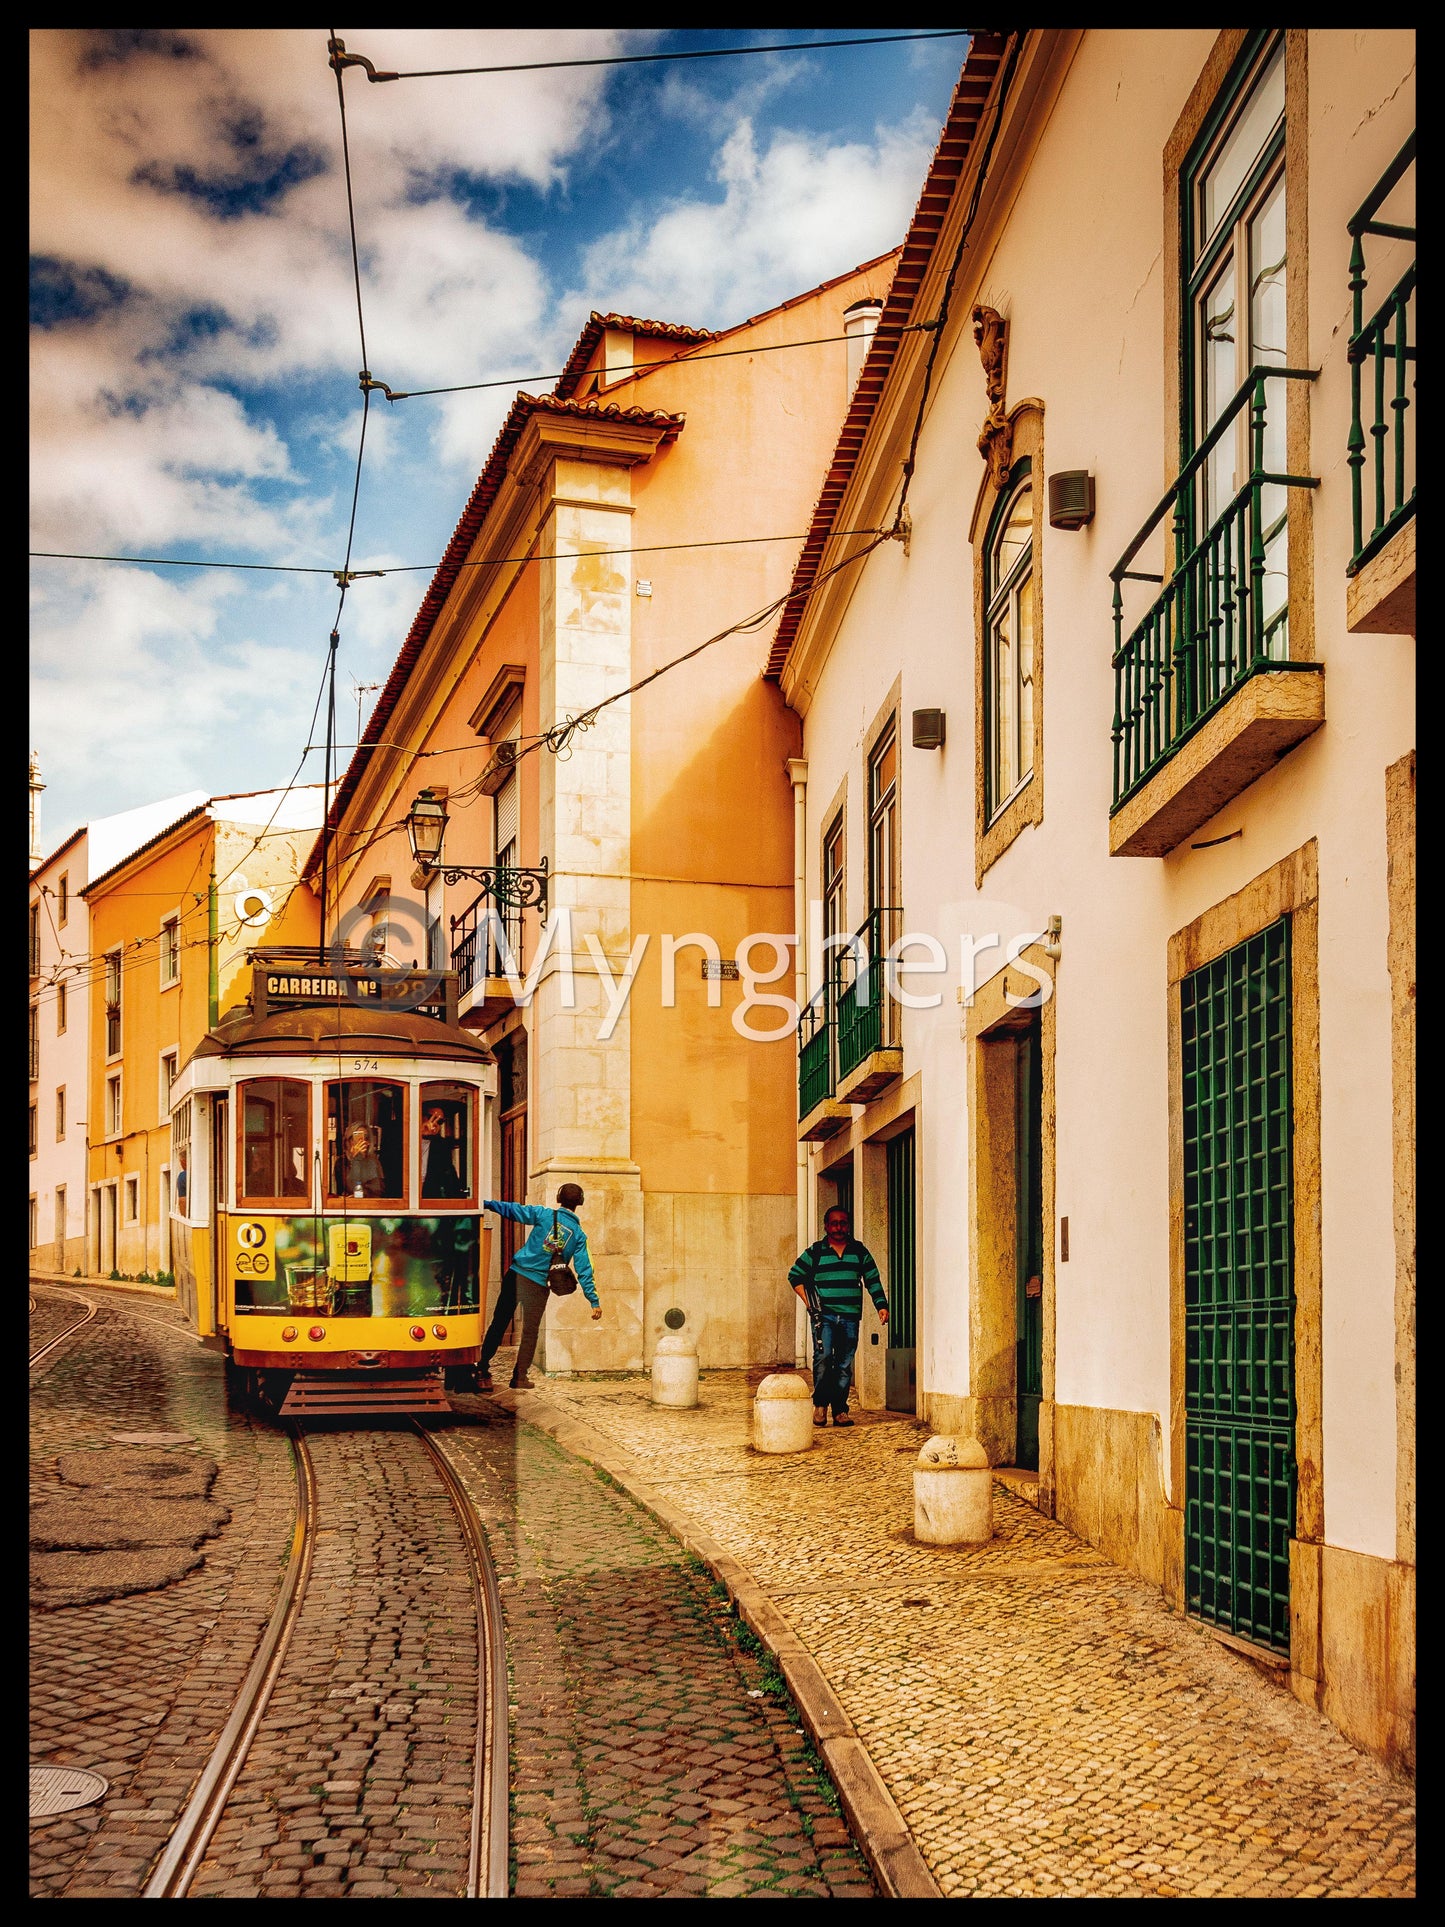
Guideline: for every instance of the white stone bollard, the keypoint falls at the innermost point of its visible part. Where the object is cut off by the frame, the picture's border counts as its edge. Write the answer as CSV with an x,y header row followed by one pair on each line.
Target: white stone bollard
x,y
783,1414
674,1370
952,1493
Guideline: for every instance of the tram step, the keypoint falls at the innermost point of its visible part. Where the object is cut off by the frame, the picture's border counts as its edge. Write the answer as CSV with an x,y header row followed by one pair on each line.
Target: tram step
x,y
331,1392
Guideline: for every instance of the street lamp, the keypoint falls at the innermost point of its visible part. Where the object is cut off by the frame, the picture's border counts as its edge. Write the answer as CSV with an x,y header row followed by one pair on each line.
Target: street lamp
x,y
426,825
505,883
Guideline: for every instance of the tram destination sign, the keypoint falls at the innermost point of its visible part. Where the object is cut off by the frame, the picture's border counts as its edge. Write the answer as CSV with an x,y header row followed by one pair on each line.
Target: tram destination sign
x,y
291,986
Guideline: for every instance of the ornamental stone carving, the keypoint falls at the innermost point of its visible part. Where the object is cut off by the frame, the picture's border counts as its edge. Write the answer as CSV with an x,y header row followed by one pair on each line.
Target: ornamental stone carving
x,y
995,440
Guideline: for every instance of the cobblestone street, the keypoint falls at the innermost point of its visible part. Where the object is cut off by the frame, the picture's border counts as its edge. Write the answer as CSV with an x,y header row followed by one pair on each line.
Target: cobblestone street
x,y
653,1755
1044,1724
137,1688
654,1749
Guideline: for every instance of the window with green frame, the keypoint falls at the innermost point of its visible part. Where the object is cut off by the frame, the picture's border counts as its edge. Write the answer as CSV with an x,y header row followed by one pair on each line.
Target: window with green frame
x,y
1008,673
1234,262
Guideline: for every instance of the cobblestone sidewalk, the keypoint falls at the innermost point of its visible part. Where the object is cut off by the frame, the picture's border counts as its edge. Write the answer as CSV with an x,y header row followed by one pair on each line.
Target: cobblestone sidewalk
x,y
1046,1726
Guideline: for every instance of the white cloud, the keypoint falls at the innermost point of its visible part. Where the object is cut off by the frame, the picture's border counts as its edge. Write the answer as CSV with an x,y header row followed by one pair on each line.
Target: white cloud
x,y
206,394
212,303
790,216
107,644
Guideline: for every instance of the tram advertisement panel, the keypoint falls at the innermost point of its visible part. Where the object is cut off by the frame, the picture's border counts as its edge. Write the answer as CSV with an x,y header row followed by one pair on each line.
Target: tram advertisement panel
x,y
381,1267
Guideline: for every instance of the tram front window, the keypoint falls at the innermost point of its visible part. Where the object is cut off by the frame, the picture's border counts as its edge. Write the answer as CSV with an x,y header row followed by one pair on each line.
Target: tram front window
x,y
446,1142
275,1137
366,1141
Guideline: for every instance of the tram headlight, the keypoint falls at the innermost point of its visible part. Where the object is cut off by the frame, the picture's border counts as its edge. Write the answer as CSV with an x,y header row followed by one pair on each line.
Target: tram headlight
x,y
288,1334
438,1331
317,1331
418,1332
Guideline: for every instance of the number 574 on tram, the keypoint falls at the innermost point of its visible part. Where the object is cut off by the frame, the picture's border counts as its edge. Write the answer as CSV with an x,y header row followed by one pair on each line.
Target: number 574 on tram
x,y
331,1143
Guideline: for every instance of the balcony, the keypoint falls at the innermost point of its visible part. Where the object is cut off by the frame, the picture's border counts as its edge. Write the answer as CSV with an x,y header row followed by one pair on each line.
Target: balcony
x,y
1380,597
870,1046
1205,696
486,938
819,1115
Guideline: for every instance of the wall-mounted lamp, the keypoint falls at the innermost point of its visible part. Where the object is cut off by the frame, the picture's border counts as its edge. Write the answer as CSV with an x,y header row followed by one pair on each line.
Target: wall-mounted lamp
x,y
426,825
929,726
1071,499
505,883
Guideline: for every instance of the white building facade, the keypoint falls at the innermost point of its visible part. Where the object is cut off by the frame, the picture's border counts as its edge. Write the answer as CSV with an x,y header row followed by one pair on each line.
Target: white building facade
x,y
59,1018
1134,1142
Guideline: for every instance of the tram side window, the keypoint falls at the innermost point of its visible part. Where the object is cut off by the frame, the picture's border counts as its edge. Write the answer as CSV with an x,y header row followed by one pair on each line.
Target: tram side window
x,y
447,1137
181,1156
275,1138
366,1140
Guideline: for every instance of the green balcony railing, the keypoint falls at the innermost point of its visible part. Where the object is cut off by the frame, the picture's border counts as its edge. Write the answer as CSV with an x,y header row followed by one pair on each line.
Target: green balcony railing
x,y
1384,349
1222,614
815,1052
867,1017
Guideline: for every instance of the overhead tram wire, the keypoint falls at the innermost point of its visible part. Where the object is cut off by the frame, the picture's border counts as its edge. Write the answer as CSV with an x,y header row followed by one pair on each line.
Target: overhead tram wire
x,y
638,60
559,737
421,568
343,577
683,361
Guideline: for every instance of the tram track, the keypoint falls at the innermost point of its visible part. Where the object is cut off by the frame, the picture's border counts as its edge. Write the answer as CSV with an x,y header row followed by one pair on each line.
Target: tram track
x,y
42,1352
487,1864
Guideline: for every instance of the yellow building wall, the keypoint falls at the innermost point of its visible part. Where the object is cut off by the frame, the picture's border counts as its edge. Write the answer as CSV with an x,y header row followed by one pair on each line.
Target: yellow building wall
x,y
127,912
175,879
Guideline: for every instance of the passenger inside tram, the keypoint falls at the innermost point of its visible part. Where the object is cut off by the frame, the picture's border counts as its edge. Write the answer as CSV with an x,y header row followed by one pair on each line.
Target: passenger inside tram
x,y
363,1167
366,1135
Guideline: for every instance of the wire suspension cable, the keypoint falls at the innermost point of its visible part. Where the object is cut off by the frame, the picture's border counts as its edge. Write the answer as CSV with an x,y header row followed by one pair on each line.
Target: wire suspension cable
x,y
635,60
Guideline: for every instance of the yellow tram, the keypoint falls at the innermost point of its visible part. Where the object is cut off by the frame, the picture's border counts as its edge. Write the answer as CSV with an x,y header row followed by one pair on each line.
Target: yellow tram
x,y
331,1138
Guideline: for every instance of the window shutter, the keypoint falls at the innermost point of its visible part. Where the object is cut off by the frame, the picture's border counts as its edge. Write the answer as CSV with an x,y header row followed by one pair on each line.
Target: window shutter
x,y
507,811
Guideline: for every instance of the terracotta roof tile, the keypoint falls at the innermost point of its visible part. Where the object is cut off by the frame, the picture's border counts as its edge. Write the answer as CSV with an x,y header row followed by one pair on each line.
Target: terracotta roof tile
x,y
954,146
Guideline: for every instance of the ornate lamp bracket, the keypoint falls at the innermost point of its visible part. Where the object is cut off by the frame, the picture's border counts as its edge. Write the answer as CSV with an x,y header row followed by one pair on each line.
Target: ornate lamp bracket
x,y
512,889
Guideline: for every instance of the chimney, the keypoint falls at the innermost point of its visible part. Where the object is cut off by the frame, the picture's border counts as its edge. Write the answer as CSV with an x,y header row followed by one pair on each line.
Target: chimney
x,y
36,786
859,322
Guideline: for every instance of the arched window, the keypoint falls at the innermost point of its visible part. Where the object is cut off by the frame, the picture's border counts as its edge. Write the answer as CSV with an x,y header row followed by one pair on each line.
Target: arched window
x,y
1009,643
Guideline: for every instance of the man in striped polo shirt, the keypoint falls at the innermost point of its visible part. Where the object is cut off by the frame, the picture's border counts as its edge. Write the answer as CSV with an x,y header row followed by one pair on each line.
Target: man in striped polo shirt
x,y
829,1278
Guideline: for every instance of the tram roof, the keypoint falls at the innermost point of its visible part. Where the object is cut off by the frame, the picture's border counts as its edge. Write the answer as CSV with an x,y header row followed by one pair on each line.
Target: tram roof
x,y
361,1030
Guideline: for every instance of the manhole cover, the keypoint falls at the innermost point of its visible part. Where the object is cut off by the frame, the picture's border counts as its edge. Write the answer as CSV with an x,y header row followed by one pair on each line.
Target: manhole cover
x,y
153,1438
58,1789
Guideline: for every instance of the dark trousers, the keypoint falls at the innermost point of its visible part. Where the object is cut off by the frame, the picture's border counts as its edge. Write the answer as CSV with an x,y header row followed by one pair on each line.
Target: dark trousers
x,y
532,1297
835,1340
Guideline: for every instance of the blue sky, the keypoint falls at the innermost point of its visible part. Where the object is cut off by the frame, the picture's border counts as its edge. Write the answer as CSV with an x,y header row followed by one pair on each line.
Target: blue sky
x,y
195,343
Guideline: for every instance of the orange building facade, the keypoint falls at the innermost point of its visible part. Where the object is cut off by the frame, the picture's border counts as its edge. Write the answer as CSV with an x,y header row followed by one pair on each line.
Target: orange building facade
x,y
654,498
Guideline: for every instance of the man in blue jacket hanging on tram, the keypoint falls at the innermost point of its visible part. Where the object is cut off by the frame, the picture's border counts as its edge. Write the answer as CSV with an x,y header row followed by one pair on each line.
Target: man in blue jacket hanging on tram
x,y
555,1239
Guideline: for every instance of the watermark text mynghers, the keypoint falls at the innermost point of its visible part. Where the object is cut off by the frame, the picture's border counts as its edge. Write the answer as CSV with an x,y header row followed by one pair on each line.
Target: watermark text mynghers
x,y
914,971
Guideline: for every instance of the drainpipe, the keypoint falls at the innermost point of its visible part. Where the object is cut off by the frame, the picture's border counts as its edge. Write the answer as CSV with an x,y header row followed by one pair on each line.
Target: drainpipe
x,y
213,976
798,776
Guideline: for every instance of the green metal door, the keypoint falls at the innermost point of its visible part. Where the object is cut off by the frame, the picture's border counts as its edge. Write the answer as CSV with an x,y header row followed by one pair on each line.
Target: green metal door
x,y
1239,1400
902,1376
1029,1245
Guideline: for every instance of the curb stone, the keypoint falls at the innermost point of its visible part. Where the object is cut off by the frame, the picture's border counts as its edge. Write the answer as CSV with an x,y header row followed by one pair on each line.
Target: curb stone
x,y
880,1829
86,1282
